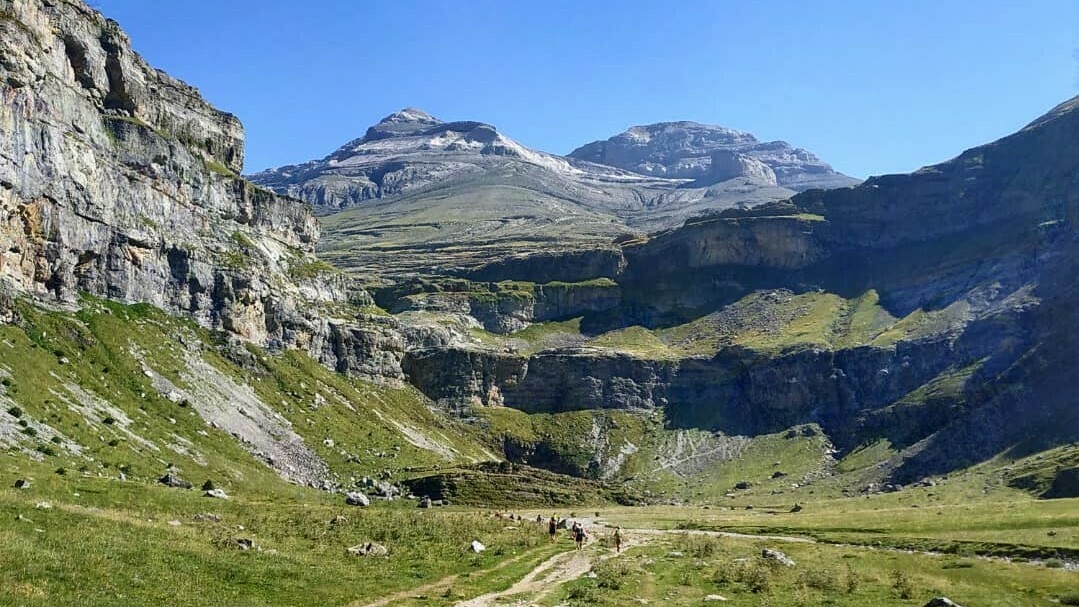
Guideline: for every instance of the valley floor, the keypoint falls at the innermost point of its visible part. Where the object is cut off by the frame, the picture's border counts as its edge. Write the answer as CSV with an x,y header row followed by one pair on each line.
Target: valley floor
x,y
76,540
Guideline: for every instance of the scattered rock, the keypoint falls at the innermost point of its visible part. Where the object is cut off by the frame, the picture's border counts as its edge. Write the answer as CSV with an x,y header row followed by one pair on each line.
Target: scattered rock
x,y
777,556
355,498
206,517
245,544
43,506
796,508
778,474
714,597
175,523
477,547
172,480
425,502
22,483
368,549
675,554
216,493
339,520
941,601
743,485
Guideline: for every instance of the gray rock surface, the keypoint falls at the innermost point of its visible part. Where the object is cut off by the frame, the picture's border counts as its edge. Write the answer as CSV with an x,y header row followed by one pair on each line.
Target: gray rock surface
x,y
777,557
368,549
356,498
690,150
120,181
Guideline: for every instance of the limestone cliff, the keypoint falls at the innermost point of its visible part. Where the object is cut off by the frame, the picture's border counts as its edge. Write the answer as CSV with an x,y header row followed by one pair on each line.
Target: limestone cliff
x,y
120,181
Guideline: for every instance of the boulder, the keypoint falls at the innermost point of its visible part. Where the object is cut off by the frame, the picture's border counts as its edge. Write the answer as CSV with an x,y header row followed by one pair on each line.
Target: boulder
x,y
743,485
22,483
714,597
355,498
777,557
367,549
216,493
245,544
941,601
425,502
477,547
171,479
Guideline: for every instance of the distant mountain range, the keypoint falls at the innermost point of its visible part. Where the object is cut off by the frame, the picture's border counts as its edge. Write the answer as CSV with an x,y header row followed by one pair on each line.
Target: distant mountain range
x,y
456,193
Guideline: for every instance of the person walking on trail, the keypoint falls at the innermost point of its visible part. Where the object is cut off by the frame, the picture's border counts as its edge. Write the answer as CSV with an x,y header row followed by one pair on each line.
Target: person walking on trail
x,y
578,535
617,539
552,528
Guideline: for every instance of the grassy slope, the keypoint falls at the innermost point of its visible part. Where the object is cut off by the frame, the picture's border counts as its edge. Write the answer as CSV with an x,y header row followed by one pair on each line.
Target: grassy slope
x,y
84,423
684,570
61,363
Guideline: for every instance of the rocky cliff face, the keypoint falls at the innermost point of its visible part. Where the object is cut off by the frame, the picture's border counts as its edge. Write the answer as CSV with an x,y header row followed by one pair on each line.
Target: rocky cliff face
x,y
119,181
709,154
971,261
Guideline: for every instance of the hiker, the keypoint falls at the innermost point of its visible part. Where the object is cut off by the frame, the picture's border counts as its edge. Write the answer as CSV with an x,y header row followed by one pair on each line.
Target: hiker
x,y
552,528
578,535
618,539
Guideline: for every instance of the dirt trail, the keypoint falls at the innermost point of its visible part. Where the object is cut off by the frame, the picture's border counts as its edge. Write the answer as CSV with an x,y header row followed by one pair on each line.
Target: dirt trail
x,y
441,584
549,575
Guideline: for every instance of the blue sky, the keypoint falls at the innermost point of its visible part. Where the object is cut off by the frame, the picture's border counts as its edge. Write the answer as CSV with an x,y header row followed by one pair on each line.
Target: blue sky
x,y
871,87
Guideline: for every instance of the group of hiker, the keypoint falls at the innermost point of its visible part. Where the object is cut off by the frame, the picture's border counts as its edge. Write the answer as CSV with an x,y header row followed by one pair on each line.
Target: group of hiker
x,y
578,533
576,529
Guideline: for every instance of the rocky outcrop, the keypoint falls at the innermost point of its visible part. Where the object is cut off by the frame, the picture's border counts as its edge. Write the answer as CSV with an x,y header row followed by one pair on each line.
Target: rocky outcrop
x,y
503,308
119,181
727,164
689,150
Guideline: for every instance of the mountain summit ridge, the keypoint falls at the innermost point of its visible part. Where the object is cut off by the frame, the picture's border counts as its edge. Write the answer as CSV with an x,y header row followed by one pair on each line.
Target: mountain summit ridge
x,y
685,149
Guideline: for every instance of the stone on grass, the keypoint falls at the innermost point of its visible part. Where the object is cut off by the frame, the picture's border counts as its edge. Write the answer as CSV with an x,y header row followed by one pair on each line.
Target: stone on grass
x,y
367,549
355,498
425,502
22,483
216,493
172,480
714,597
477,547
778,557
245,543
941,601
43,506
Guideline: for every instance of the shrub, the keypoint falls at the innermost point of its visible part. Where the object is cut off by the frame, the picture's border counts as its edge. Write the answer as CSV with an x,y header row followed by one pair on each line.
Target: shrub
x,y
821,579
1072,598
1054,563
47,450
901,584
611,573
14,411
208,485
754,575
109,420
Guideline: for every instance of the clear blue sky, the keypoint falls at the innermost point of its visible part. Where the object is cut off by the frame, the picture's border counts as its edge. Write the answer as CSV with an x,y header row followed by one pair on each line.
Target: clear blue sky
x,y
872,87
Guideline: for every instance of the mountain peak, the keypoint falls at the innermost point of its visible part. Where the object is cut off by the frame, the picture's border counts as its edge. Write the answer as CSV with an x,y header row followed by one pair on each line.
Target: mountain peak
x,y
410,114
404,122
685,150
